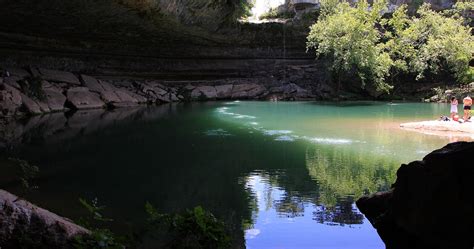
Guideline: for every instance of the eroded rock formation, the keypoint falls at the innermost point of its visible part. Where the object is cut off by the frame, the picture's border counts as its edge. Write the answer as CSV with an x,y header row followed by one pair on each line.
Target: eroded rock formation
x,y
431,204
24,225
44,91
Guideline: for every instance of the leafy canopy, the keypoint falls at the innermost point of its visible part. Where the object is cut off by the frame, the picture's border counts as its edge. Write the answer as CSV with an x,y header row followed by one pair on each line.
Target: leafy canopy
x,y
358,40
349,38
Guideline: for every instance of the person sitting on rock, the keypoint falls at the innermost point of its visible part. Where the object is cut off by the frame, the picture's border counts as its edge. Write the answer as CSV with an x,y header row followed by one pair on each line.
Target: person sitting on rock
x,y
467,101
454,107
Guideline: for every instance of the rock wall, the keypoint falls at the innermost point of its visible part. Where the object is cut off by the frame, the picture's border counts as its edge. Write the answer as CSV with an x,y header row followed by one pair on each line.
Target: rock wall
x,y
444,94
24,225
37,90
431,204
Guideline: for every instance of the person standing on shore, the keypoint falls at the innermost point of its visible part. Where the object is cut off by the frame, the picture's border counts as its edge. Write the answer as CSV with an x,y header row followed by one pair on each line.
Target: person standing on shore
x,y
467,101
454,107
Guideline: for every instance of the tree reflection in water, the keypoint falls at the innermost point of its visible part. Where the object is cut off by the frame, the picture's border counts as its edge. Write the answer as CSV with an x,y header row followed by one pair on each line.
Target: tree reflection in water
x,y
338,176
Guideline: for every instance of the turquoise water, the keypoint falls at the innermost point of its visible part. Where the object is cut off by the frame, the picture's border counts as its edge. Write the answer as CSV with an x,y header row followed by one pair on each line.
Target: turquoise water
x,y
285,174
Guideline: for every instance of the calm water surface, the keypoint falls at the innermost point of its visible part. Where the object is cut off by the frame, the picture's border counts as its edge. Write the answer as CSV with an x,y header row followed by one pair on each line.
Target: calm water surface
x,y
286,174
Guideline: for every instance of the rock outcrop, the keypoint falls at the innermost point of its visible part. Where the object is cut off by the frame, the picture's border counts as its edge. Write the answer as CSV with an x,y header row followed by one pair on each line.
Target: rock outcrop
x,y
24,225
81,98
431,204
42,91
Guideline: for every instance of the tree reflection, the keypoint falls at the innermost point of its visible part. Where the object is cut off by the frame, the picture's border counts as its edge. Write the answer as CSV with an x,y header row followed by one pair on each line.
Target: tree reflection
x,y
342,213
333,178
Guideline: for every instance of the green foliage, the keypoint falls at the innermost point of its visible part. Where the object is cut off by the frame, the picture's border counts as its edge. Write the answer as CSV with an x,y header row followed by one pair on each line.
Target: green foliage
x,y
328,7
311,16
468,76
33,87
239,8
360,41
416,4
430,43
99,238
94,209
350,176
349,38
274,13
463,9
27,172
196,228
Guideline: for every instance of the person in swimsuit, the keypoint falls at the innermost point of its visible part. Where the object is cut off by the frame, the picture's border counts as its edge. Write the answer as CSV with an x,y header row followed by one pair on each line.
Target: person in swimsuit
x,y
467,101
454,107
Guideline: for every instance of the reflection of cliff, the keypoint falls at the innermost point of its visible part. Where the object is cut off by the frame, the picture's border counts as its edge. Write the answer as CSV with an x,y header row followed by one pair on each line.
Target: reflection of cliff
x,y
57,127
341,173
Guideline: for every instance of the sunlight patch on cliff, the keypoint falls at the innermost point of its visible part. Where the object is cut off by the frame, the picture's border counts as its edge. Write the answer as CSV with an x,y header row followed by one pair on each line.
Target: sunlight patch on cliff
x,y
262,6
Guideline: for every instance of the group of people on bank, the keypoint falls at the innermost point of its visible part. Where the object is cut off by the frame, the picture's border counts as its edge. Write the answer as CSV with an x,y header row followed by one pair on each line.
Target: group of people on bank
x,y
467,103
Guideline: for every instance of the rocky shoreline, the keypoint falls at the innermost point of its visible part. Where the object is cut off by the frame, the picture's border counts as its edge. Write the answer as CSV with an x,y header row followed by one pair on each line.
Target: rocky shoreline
x,y
24,225
34,91
443,95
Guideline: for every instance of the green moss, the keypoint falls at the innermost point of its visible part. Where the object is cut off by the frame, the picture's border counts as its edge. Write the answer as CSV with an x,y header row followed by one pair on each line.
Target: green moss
x,y
33,88
273,13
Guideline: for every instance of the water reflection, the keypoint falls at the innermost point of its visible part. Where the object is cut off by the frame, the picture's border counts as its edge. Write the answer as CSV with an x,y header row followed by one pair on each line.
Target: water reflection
x,y
337,178
288,177
283,219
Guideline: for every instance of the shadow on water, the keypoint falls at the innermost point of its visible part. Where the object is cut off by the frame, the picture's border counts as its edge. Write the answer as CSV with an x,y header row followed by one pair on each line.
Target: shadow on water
x,y
179,156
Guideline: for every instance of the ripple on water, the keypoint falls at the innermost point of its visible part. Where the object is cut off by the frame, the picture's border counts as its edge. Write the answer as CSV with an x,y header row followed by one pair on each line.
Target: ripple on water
x,y
244,116
322,140
285,138
217,132
276,132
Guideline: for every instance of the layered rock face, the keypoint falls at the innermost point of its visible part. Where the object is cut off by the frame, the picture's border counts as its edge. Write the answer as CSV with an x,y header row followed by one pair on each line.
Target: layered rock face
x,y
24,225
37,90
431,204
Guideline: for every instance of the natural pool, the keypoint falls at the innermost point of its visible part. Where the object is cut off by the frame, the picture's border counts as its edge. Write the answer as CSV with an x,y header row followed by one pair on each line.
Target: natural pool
x,y
285,173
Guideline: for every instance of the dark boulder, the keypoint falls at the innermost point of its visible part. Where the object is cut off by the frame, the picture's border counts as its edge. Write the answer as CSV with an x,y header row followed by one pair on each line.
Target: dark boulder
x,y
431,204
24,225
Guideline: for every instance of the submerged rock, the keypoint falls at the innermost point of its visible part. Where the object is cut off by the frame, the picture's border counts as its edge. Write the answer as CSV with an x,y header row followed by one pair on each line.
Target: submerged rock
x,y
24,225
431,204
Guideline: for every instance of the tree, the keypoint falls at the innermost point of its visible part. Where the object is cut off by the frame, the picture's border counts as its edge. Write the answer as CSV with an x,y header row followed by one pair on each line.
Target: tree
x,y
348,37
359,41
429,43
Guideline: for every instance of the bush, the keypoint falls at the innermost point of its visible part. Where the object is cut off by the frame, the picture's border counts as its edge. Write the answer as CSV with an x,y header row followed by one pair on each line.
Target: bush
x,y
193,229
360,41
274,13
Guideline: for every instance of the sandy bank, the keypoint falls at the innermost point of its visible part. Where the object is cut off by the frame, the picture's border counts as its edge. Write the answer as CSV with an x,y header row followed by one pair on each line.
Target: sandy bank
x,y
442,128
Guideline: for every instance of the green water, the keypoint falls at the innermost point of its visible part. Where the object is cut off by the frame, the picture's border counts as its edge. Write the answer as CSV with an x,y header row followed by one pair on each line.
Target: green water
x,y
284,174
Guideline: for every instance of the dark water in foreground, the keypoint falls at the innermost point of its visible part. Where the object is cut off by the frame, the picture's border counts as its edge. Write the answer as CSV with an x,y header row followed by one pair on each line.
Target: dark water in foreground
x,y
287,174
